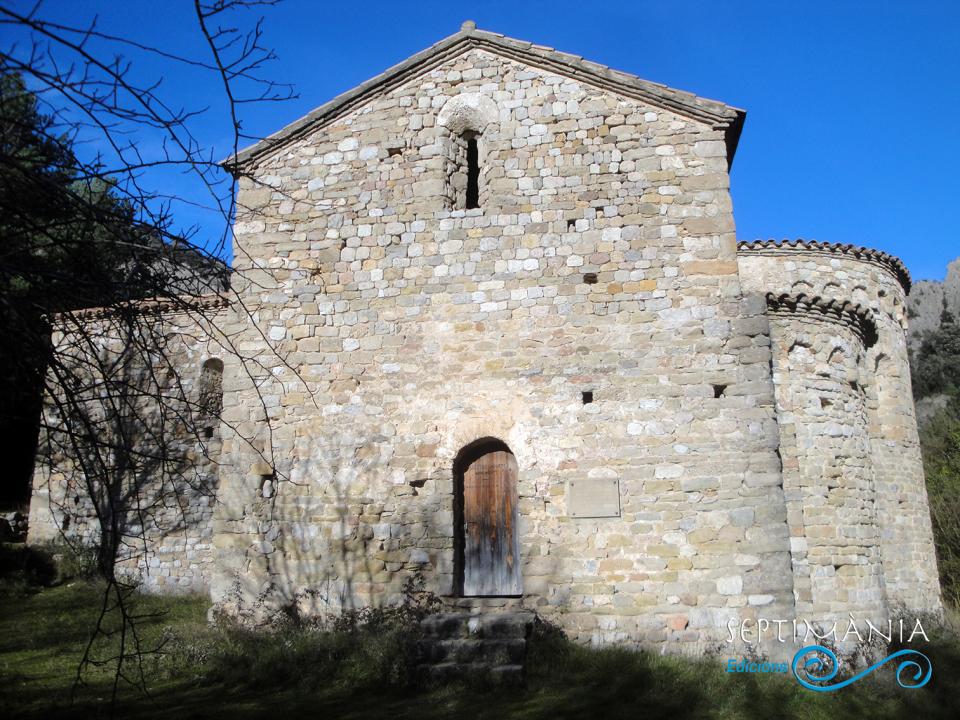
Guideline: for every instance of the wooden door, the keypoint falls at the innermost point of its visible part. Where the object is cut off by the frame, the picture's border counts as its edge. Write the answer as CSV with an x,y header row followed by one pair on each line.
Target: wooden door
x,y
491,547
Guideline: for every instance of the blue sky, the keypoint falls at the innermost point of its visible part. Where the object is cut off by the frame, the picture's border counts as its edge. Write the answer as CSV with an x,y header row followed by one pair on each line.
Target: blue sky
x,y
852,107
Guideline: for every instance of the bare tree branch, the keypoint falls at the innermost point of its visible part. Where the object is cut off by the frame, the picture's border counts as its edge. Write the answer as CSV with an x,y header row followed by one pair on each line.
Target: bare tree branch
x,y
93,255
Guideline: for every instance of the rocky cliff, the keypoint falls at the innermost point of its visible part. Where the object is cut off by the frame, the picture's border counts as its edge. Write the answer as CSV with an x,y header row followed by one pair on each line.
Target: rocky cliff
x,y
927,300
925,305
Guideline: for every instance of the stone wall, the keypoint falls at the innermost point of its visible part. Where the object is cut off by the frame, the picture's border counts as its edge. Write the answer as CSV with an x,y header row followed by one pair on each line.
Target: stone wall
x,y
603,259
828,477
158,406
878,284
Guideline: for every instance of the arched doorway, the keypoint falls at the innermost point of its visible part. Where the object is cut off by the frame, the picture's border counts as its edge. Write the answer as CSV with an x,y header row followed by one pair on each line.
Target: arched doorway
x,y
487,539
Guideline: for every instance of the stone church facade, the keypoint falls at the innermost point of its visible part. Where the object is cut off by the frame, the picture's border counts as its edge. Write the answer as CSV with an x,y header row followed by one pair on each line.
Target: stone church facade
x,y
506,340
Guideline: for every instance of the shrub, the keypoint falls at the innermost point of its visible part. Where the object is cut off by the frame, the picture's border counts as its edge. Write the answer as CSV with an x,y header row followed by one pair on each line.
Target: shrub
x,y
364,648
73,561
935,366
941,459
26,565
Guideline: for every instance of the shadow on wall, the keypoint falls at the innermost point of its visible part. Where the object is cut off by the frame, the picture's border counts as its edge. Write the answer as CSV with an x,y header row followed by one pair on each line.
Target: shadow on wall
x,y
344,529
338,529
127,456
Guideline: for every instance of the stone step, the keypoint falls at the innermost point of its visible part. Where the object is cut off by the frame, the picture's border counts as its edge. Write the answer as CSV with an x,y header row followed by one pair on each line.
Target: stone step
x,y
488,625
499,674
491,645
510,651
484,604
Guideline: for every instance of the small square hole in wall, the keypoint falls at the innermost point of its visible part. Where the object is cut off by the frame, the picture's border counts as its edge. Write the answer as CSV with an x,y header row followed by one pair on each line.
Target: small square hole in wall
x,y
208,432
394,151
719,390
418,483
590,278
587,396
571,224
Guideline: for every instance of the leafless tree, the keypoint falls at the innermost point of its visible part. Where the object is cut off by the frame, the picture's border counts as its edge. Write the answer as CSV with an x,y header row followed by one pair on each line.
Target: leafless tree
x,y
93,254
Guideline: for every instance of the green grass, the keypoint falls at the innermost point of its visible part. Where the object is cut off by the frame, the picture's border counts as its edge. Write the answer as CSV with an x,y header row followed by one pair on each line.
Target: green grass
x,y
366,672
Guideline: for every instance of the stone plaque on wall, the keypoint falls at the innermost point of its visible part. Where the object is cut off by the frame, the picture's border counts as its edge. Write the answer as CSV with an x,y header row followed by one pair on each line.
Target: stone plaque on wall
x,y
593,498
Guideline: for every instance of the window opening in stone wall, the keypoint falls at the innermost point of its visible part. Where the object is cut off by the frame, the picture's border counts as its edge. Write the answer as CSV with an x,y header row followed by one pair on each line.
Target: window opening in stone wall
x,y
210,395
268,484
473,172
465,155
587,397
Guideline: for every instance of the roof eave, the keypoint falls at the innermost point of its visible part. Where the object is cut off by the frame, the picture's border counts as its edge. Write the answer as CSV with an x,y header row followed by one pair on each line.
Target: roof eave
x,y
264,145
732,135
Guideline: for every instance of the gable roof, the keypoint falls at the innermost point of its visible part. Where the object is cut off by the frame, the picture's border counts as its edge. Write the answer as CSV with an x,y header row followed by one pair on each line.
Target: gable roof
x,y
712,112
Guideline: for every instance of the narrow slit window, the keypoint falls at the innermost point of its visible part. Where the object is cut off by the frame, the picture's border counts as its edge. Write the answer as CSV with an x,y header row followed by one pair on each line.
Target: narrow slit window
x,y
473,173
210,397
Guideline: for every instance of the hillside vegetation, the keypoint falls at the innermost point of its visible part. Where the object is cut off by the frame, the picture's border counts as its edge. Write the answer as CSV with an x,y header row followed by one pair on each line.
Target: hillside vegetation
x,y
935,367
